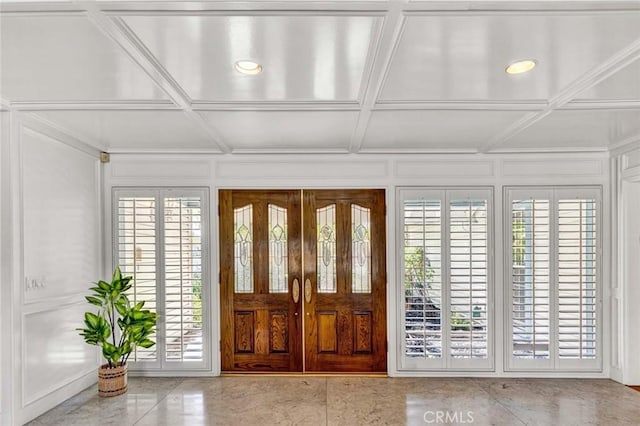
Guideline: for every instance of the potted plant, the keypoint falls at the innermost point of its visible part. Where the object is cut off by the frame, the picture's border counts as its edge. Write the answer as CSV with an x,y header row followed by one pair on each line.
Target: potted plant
x,y
118,327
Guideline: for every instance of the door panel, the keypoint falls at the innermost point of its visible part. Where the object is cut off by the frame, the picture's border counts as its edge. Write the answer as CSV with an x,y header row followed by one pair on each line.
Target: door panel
x,y
345,318
265,307
260,258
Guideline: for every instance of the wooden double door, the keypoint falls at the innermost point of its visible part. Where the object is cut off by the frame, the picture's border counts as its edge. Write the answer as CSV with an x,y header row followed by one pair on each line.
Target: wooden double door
x,y
303,280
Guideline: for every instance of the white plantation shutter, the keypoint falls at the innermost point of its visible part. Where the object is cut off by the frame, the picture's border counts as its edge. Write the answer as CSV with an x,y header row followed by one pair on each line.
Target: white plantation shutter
x,y
423,278
446,275
183,278
136,253
160,237
468,265
554,279
577,301
530,277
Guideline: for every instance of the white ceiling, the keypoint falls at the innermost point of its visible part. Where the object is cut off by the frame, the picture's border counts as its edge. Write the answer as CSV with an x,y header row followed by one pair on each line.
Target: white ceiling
x,y
341,76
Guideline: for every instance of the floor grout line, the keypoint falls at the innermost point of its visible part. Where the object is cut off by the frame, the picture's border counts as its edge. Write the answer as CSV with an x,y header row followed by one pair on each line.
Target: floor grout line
x,y
475,381
157,403
326,401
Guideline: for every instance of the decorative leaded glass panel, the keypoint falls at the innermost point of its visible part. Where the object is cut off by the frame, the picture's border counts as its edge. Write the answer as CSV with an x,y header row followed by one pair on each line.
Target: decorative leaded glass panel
x,y
361,249
243,253
278,260
326,260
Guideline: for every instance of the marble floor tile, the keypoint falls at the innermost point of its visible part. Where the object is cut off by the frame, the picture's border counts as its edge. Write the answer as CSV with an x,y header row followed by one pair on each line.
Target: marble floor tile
x,y
350,401
243,401
88,409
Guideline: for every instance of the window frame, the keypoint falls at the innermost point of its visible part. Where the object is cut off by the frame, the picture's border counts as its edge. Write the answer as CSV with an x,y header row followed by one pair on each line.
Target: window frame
x,y
160,364
553,194
445,195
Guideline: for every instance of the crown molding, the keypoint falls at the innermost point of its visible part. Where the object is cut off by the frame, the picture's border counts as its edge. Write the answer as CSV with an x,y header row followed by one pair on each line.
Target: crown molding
x,y
459,106
275,106
625,145
92,105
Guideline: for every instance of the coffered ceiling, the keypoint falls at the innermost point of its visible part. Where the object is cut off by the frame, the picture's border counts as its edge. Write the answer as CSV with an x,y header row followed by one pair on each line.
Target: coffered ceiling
x,y
337,76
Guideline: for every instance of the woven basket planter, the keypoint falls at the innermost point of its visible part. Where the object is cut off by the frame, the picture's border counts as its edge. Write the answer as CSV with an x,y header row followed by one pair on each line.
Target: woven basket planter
x,y
112,381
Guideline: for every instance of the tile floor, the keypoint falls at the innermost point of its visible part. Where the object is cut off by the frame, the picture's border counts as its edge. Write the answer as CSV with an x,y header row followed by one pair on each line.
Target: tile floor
x,y
353,401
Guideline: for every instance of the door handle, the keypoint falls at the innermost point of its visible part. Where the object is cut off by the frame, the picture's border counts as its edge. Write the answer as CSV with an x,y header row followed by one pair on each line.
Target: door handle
x,y
307,290
295,291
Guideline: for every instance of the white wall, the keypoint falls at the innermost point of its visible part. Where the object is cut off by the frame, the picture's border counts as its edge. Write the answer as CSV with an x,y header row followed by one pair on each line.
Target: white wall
x,y
627,303
56,244
374,171
5,272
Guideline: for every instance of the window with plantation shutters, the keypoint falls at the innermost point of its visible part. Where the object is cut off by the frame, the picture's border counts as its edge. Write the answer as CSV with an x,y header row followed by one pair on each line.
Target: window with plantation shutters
x,y
446,275
554,290
183,278
136,253
577,272
160,237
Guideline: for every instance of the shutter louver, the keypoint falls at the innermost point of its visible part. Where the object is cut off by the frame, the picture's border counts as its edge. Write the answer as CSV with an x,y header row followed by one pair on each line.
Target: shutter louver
x,y
577,279
422,278
555,299
183,278
468,278
530,229
137,256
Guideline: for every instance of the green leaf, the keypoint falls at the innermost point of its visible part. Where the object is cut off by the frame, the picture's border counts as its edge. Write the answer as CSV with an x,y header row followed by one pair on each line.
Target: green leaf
x,y
126,348
91,319
104,285
94,300
117,275
146,343
98,290
121,308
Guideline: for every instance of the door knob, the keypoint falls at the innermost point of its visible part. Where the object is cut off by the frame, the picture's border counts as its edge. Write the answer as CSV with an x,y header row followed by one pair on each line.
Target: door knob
x,y
307,290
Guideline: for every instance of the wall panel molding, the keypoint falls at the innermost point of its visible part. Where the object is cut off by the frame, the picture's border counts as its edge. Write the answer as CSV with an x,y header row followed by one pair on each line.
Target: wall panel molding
x,y
301,169
445,169
49,223
161,169
57,244
61,315
555,168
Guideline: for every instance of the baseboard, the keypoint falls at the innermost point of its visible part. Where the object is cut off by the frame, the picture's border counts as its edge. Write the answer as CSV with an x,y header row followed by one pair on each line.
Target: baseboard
x,y
616,374
47,402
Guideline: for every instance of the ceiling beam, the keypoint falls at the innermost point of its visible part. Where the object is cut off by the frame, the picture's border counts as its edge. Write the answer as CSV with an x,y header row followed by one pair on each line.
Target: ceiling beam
x,y
57,131
392,27
116,30
615,63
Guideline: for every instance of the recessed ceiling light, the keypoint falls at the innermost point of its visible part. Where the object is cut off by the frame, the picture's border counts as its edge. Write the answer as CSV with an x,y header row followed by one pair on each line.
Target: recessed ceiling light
x,y
248,67
521,66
